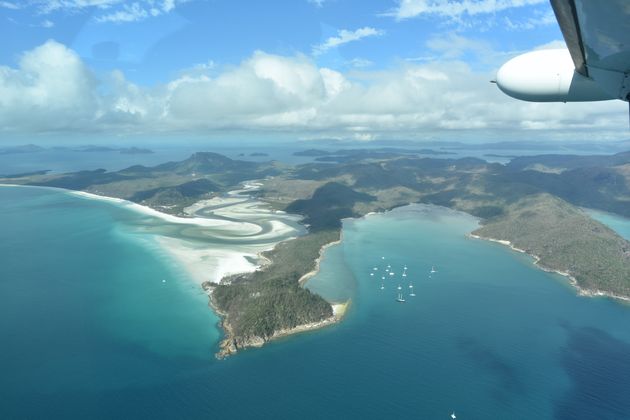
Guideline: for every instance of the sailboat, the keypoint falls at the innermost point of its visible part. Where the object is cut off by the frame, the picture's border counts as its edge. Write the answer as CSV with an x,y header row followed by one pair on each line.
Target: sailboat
x,y
453,416
382,282
411,292
400,297
433,270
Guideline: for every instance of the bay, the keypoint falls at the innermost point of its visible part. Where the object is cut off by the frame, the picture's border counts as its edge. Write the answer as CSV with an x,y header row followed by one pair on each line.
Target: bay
x,y
90,330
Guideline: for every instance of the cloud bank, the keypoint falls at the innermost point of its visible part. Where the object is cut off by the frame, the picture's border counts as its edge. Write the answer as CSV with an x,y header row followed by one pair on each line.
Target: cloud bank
x,y
53,90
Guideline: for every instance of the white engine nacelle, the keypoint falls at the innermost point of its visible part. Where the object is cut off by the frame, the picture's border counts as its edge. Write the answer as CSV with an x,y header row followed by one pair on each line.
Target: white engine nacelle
x,y
547,76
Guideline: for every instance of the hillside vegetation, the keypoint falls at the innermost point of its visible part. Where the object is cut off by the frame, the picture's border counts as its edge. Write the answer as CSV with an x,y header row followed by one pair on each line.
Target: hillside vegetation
x,y
257,305
565,239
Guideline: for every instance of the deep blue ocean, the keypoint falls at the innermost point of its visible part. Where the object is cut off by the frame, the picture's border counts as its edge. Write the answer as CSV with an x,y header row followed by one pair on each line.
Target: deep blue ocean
x,y
90,330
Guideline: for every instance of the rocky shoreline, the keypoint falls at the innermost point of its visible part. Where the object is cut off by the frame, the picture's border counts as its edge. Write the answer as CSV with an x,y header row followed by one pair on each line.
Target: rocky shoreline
x,y
232,343
572,280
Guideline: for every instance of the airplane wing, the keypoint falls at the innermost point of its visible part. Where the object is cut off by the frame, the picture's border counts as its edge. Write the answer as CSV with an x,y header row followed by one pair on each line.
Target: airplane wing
x,y
566,15
594,67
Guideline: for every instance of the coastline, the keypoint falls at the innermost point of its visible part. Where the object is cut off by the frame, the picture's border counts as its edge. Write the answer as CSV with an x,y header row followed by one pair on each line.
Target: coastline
x,y
139,208
572,280
205,263
211,265
306,277
230,345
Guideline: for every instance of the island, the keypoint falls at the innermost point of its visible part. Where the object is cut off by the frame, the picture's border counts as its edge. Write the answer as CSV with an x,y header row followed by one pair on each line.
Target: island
x,y
532,204
32,148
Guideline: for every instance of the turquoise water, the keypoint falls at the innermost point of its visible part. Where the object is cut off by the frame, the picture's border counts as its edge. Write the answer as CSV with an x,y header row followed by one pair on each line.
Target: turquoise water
x,y
619,224
90,331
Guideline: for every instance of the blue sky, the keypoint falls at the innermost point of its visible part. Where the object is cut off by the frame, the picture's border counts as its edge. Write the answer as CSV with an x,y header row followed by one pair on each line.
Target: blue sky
x,y
296,68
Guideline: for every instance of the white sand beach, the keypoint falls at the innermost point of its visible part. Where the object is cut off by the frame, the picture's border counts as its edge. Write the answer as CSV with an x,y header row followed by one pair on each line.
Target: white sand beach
x,y
216,247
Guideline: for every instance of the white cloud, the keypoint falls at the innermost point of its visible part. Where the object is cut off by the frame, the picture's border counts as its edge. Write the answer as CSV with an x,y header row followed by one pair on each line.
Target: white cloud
x,y
545,19
452,45
139,11
344,36
9,5
360,62
317,3
47,6
115,11
552,45
53,90
456,9
129,13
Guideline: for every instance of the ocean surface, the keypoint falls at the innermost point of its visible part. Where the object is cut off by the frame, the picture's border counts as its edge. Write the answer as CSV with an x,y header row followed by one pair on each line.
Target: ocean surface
x,y
90,329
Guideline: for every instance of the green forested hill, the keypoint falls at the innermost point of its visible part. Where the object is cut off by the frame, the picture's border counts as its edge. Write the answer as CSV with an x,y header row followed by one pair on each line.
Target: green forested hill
x,y
566,239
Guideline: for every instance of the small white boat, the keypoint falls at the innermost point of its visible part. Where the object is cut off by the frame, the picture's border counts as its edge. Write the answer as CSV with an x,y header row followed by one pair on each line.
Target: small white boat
x,y
411,292
375,269
400,298
371,274
433,270
382,286
453,416
399,287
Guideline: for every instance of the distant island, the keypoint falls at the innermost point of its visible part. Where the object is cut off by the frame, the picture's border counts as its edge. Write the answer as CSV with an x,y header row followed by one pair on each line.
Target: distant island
x,y
32,148
496,155
27,148
531,204
311,152
121,150
347,155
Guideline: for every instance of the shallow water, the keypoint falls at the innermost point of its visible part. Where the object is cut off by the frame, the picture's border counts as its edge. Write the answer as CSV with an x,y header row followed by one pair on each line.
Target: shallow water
x,y
90,330
619,224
